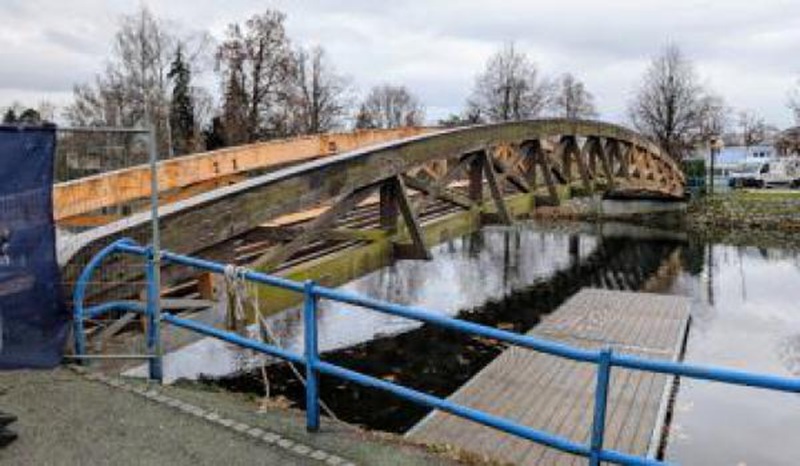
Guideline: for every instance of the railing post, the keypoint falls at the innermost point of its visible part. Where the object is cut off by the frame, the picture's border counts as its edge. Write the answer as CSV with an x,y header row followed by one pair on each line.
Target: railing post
x,y
153,317
78,330
600,402
311,356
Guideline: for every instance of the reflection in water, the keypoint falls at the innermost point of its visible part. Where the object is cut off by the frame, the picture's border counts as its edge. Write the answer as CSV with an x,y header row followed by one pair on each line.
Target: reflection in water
x,y
745,315
502,277
464,273
744,309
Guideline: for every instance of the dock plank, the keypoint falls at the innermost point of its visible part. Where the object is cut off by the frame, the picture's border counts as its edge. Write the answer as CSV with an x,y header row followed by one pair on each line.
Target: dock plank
x,y
557,395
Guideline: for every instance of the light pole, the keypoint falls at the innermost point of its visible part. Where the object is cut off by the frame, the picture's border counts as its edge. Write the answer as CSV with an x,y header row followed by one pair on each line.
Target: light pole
x,y
715,145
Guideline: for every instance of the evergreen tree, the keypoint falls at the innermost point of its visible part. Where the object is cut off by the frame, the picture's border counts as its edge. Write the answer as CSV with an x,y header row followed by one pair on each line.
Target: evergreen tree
x,y
10,116
181,111
30,117
235,108
214,134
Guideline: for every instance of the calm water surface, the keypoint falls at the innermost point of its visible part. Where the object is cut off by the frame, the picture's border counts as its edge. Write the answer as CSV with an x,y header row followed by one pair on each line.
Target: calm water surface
x,y
744,314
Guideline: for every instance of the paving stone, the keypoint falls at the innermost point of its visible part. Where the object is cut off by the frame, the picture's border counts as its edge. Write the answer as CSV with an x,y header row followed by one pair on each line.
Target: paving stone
x,y
285,443
301,449
271,437
255,432
226,422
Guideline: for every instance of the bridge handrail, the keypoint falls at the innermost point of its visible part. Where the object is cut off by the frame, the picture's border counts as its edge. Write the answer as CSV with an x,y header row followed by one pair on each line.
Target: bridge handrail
x,y
605,359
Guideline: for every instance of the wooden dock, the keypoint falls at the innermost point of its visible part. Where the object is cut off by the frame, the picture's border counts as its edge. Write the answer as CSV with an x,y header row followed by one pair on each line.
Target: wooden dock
x,y
557,395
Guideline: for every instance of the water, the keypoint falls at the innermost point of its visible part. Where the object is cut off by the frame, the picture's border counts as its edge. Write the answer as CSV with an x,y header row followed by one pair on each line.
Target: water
x,y
744,315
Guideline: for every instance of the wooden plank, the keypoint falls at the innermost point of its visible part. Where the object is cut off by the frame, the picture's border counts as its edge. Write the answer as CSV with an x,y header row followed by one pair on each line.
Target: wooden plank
x,y
417,249
496,190
557,395
314,229
91,193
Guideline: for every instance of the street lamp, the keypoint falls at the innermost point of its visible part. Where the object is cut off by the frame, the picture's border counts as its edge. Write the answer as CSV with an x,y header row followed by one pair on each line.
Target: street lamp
x,y
715,145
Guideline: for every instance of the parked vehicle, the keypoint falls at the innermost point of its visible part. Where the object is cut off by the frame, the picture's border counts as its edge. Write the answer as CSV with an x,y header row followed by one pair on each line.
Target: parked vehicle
x,y
747,176
774,173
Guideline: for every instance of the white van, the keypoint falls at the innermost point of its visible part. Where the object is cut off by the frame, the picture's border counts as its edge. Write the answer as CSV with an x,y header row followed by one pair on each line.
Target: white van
x,y
774,173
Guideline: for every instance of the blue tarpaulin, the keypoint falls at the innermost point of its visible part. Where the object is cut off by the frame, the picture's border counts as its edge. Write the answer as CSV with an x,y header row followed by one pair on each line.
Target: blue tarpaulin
x,y
33,318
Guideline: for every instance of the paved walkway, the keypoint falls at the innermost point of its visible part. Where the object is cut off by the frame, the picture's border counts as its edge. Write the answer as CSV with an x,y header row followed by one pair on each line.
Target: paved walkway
x,y
69,418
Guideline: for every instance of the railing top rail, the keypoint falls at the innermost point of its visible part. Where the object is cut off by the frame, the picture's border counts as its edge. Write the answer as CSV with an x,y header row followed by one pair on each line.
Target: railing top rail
x,y
711,373
604,359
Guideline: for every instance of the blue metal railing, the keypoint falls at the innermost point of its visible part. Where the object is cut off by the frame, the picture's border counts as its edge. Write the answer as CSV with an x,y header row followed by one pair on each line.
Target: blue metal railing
x,y
605,359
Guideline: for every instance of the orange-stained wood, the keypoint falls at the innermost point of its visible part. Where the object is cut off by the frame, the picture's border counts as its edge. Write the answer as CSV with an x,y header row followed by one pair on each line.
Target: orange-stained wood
x,y
88,220
85,195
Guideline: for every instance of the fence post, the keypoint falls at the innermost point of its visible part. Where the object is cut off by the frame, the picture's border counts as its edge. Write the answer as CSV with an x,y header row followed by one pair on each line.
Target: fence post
x,y
600,402
153,318
311,356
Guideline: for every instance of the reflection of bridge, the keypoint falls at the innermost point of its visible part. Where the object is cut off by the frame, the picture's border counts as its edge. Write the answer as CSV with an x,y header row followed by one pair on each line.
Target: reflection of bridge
x,y
377,194
616,262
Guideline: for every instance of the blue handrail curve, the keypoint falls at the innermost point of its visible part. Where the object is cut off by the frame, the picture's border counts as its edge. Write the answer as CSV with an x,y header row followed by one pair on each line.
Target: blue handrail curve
x,y
605,359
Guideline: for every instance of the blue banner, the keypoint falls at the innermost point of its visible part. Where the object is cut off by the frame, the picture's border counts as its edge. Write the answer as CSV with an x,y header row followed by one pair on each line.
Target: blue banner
x,y
33,318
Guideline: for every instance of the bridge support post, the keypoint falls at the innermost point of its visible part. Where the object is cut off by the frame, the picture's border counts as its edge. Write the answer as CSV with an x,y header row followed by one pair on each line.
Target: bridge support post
x,y
605,161
388,207
475,174
417,249
540,158
496,190
311,355
581,157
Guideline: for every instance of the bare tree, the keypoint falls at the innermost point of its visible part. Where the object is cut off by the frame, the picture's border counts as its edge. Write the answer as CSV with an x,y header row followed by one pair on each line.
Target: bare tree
x,y
256,63
388,106
712,118
571,99
752,127
509,88
133,90
666,106
319,96
793,102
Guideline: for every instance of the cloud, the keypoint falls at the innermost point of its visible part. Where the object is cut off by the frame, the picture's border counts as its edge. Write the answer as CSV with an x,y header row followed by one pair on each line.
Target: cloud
x,y
743,49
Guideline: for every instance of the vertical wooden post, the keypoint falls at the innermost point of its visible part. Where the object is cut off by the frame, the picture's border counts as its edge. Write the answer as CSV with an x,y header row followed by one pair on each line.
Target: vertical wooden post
x,y
205,286
495,189
417,249
581,154
625,161
529,153
605,161
563,150
542,159
388,206
475,173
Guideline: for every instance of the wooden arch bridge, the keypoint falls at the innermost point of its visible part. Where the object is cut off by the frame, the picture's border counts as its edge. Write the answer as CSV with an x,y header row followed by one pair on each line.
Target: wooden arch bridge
x,y
274,205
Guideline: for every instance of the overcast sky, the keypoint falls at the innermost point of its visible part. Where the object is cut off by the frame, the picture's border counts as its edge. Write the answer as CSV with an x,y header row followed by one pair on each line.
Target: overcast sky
x,y
745,50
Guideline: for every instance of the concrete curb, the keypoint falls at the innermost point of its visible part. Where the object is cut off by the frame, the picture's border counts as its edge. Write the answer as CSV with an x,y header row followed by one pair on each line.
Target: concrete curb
x,y
258,434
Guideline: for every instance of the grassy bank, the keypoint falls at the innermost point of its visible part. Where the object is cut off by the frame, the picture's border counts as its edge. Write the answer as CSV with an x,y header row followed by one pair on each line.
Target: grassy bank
x,y
769,217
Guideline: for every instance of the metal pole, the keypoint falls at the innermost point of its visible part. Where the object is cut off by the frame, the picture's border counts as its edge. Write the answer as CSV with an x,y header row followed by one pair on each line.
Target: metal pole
x,y
154,264
600,402
711,176
311,356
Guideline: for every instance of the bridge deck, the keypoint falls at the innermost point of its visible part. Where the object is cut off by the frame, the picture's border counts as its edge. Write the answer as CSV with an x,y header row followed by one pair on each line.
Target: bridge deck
x,y
557,395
